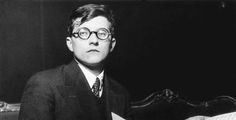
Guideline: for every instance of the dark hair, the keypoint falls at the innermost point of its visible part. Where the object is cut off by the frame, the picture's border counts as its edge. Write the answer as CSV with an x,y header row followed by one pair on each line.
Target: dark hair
x,y
89,11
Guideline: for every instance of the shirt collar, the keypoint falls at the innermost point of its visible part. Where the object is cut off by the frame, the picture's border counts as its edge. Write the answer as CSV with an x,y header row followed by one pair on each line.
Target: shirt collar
x,y
90,76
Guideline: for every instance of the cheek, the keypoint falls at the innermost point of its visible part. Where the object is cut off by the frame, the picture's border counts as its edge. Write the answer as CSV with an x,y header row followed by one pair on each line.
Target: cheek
x,y
106,49
78,47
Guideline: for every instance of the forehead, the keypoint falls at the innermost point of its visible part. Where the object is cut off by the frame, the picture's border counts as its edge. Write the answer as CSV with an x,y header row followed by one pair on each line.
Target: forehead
x,y
93,24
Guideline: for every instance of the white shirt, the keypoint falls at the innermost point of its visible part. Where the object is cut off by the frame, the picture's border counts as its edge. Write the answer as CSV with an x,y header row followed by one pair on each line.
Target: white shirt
x,y
91,78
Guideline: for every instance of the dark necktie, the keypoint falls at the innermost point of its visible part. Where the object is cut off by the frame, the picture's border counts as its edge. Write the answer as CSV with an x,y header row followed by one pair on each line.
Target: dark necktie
x,y
95,87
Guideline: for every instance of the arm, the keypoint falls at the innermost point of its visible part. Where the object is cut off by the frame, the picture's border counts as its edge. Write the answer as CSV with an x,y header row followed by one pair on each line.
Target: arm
x,y
37,100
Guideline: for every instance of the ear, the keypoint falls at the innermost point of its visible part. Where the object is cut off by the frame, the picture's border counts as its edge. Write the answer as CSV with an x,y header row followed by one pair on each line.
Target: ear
x,y
69,43
113,44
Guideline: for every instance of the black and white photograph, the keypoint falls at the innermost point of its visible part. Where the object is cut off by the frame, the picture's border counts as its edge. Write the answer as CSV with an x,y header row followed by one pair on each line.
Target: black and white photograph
x,y
117,59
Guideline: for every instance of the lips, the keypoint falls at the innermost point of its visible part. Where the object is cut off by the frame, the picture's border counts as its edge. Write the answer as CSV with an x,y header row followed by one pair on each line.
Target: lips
x,y
93,50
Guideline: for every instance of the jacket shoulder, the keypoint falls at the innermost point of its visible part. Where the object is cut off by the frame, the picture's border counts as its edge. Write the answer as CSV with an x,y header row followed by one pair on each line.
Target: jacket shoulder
x,y
50,76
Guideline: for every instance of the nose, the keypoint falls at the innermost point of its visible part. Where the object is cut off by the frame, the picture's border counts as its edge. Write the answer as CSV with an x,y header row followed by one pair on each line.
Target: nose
x,y
93,39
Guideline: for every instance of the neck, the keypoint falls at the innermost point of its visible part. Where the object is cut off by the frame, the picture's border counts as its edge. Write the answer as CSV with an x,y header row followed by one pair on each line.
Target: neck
x,y
95,69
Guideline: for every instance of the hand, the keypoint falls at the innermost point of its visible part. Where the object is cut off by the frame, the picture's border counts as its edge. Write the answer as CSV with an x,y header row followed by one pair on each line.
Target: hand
x,y
198,117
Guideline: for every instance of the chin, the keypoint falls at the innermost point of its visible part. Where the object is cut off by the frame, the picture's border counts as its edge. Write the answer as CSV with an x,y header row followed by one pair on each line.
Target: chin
x,y
95,60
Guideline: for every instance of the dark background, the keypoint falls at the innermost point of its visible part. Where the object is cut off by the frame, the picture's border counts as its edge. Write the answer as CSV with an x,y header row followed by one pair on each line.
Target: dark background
x,y
186,46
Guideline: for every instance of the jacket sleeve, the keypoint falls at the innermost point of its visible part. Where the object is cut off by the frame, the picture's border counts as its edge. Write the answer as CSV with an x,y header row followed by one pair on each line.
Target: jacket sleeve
x,y
37,100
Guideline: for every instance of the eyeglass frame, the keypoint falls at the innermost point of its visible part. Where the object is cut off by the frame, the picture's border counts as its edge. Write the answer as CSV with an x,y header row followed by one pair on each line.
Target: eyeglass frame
x,y
90,33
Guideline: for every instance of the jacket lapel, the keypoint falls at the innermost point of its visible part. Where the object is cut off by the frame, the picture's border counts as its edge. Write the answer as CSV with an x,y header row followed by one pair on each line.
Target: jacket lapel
x,y
106,89
77,87
114,101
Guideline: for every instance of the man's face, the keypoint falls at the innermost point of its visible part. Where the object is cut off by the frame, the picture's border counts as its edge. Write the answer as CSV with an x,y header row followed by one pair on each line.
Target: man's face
x,y
92,51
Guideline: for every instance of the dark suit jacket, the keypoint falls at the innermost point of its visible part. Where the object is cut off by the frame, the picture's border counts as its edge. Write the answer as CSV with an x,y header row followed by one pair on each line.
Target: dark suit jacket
x,y
63,93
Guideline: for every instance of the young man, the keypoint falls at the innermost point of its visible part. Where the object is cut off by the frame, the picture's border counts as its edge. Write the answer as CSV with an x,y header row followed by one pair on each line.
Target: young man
x,y
80,90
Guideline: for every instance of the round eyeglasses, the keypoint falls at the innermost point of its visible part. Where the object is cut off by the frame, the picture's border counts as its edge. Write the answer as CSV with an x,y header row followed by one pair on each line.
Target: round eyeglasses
x,y
84,33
